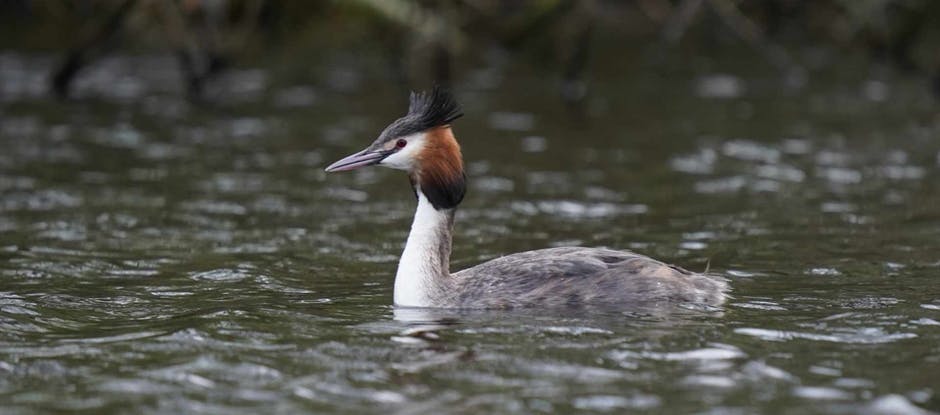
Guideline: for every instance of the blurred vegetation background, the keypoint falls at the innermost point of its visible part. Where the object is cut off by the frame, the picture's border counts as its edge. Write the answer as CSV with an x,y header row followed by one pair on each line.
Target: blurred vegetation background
x,y
414,43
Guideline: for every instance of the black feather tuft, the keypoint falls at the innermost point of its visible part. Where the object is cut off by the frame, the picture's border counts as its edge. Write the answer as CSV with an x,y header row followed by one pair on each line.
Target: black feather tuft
x,y
427,110
433,109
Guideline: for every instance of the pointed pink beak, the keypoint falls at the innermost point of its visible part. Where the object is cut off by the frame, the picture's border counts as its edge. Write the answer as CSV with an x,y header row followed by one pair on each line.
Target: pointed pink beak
x,y
357,160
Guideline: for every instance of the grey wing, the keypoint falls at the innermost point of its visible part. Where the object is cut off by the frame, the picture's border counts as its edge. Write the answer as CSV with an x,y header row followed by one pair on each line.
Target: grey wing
x,y
577,276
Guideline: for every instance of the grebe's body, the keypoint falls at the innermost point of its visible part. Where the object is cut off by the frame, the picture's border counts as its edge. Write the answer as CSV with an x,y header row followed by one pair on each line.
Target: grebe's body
x,y
422,143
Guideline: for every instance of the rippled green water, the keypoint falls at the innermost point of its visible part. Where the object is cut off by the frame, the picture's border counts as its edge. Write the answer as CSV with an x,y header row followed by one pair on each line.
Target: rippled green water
x,y
161,258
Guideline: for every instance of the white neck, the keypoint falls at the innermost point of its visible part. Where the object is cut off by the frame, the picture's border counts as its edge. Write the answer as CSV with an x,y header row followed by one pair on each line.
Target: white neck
x,y
424,268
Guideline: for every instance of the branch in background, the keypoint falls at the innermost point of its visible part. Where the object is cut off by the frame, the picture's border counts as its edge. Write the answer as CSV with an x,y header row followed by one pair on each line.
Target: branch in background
x,y
680,20
425,23
656,10
749,32
95,46
574,87
734,19
538,24
193,30
436,32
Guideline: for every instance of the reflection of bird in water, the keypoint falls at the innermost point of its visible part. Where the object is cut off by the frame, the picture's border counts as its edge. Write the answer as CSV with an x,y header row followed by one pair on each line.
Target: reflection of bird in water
x,y
422,144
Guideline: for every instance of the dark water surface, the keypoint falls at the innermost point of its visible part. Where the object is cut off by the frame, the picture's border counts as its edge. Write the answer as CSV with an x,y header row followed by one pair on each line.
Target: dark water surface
x,y
157,257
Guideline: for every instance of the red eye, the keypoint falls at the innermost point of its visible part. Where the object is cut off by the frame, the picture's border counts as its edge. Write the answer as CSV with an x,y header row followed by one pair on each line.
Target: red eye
x,y
401,143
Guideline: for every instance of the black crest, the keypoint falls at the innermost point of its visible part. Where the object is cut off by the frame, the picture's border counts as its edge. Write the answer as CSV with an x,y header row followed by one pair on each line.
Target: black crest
x,y
433,109
426,111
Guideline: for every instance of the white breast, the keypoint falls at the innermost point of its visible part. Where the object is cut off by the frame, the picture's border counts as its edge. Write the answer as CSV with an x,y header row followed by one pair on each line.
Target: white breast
x,y
421,266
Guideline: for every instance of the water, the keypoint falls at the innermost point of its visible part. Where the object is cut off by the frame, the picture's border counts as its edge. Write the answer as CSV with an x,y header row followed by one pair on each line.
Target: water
x,y
159,257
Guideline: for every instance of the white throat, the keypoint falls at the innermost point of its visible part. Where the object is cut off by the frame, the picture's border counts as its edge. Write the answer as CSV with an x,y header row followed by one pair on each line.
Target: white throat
x,y
423,271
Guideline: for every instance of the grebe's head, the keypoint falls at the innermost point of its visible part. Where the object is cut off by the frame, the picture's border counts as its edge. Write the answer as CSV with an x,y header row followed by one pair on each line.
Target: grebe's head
x,y
421,143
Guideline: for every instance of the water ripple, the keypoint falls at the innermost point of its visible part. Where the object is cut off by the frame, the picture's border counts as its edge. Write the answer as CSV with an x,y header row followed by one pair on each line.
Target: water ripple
x,y
865,335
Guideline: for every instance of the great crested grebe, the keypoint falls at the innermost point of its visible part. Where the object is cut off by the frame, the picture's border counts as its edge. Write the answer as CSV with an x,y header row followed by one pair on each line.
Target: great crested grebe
x,y
422,144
